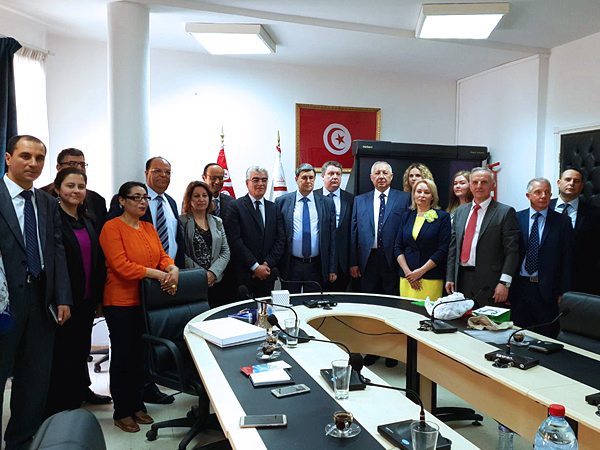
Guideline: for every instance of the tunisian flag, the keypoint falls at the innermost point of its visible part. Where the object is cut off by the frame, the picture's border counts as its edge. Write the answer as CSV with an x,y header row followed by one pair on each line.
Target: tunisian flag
x,y
277,185
227,185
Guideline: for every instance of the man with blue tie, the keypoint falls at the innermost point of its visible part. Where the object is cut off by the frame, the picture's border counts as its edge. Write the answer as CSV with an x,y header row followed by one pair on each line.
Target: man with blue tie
x,y
310,232
545,261
375,219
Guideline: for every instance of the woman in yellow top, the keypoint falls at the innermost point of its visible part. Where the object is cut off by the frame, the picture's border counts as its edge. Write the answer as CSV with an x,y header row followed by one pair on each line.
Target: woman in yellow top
x,y
422,244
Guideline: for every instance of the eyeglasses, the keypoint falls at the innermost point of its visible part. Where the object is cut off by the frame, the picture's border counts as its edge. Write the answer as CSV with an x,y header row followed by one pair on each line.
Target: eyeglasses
x,y
138,198
167,173
213,178
75,164
259,180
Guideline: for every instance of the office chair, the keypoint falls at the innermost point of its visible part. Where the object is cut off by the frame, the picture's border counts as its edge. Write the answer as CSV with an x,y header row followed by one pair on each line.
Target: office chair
x,y
580,327
70,430
169,360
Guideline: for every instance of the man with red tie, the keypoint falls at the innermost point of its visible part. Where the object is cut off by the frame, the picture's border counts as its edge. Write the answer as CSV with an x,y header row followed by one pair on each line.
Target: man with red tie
x,y
484,247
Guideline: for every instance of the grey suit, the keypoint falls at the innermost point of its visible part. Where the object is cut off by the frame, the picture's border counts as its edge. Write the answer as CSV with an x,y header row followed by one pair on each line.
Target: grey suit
x,y
497,250
26,348
220,248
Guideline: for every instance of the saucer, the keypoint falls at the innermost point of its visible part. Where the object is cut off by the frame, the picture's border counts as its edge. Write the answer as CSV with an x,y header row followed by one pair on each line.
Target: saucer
x,y
263,357
331,430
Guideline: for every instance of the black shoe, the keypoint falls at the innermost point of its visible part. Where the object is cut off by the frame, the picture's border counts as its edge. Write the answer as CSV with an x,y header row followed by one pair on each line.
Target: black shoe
x,y
158,398
389,362
92,398
370,360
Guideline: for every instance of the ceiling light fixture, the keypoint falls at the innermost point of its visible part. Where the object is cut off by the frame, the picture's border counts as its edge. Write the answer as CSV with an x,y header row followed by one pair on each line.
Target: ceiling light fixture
x,y
459,20
232,38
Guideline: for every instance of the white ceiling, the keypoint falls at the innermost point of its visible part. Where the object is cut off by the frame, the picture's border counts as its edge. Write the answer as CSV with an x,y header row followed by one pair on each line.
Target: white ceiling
x,y
356,34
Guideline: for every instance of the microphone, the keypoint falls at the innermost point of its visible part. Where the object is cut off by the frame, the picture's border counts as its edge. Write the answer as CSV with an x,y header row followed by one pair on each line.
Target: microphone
x,y
311,303
441,326
509,359
301,333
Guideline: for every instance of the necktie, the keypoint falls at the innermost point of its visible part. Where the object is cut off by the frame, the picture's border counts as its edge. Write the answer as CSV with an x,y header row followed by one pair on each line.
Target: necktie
x,y
260,217
305,228
161,224
331,195
380,222
566,208
469,234
31,240
533,246
217,207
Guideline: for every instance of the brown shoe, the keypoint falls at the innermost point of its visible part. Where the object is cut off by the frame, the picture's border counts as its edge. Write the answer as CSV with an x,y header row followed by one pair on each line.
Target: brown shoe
x,y
143,418
128,425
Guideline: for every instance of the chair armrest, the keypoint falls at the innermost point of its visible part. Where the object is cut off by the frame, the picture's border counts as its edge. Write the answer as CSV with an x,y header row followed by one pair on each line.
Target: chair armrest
x,y
175,353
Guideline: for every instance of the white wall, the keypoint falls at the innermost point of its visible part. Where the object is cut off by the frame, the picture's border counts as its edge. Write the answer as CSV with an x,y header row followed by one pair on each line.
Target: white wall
x,y
499,108
21,27
573,93
194,95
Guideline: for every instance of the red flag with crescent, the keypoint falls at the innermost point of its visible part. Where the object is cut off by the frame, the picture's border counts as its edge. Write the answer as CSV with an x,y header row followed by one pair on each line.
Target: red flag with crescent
x,y
227,185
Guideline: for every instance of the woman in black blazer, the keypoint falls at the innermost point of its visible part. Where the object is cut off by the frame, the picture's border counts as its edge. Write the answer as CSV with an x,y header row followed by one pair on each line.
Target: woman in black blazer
x,y
87,274
422,244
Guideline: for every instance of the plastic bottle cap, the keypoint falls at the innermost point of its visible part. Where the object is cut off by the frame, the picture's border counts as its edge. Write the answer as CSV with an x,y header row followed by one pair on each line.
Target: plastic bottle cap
x,y
557,410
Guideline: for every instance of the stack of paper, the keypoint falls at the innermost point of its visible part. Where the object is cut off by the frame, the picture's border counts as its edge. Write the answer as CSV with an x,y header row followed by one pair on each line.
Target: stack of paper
x,y
228,331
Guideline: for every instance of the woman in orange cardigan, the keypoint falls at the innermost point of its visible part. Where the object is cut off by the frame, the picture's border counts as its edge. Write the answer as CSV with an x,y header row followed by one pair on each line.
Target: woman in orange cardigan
x,y
133,251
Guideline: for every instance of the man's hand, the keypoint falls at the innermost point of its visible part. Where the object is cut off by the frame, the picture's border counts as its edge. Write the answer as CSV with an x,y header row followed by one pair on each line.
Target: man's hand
x,y
354,272
211,278
559,299
262,272
450,287
500,293
64,312
332,277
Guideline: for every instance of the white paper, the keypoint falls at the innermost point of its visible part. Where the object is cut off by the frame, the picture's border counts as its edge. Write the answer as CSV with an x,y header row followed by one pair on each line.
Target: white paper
x,y
271,376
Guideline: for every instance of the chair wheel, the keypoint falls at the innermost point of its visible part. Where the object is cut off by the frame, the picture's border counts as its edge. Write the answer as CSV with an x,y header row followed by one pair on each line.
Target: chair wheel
x,y
151,435
190,414
90,358
97,368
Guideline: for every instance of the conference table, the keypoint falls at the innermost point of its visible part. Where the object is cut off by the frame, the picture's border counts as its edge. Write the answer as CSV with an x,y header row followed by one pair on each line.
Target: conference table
x,y
388,326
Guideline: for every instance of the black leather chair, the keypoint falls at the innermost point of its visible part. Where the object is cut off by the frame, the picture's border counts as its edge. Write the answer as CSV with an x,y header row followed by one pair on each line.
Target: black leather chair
x,y
581,327
169,360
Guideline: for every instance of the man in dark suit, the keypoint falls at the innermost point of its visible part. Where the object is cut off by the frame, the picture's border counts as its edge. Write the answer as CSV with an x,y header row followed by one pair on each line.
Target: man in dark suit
x,y
163,214
376,217
545,261
484,247
309,225
254,228
331,173
96,204
585,220
213,175
38,287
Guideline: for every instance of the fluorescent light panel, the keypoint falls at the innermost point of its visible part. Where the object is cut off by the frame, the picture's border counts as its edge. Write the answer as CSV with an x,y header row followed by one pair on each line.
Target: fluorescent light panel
x,y
459,20
232,39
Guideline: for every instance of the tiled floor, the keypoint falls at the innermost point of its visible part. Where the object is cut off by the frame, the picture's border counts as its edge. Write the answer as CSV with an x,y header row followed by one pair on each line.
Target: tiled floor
x,y
485,437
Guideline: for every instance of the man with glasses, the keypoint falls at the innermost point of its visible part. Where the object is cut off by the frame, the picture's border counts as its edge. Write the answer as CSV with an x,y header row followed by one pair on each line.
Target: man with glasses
x,y
255,234
96,204
213,175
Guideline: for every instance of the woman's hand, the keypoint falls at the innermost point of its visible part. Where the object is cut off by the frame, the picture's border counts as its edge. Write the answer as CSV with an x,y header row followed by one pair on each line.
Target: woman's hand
x,y
171,280
211,277
413,281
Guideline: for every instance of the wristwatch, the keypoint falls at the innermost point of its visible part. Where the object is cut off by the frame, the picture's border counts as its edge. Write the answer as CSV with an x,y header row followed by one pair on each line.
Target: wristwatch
x,y
505,283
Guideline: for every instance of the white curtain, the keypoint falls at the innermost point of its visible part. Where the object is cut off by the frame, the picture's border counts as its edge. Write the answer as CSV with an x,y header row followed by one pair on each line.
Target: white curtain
x,y
30,93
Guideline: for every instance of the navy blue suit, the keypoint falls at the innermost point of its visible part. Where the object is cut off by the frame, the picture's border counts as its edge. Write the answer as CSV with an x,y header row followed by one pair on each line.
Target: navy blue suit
x,y
362,238
537,302
431,243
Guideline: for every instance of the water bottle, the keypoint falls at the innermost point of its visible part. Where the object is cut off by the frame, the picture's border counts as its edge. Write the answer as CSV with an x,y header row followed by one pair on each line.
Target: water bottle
x,y
555,433
506,436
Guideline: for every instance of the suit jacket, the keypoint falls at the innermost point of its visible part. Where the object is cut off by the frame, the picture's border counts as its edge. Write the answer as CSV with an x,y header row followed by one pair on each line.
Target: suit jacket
x,y
327,232
75,261
116,210
362,234
431,243
12,245
497,247
95,203
555,256
250,242
343,229
586,248
220,248
225,202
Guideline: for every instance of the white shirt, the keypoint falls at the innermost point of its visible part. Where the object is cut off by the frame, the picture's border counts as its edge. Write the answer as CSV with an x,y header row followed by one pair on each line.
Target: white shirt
x,y
541,226
14,190
572,212
376,205
314,226
337,200
172,221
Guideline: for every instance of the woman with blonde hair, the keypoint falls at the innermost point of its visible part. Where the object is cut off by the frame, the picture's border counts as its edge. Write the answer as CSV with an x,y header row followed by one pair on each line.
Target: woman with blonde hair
x,y
422,242
415,172
460,191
